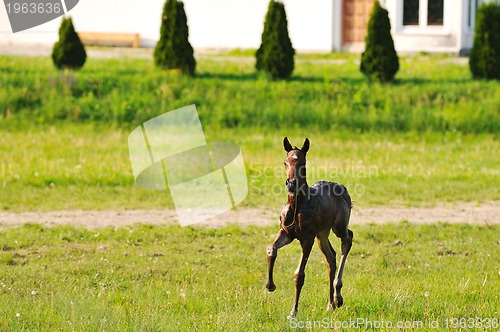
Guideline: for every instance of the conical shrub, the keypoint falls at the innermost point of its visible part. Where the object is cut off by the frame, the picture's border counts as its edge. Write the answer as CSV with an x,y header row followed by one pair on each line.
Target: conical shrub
x,y
173,50
484,59
275,55
379,61
68,52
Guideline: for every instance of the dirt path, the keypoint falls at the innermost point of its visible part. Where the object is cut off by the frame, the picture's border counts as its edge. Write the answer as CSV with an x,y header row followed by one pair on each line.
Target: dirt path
x,y
471,213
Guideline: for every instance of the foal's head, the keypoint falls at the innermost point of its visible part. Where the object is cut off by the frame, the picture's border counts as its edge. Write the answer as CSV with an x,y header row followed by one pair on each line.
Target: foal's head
x,y
295,165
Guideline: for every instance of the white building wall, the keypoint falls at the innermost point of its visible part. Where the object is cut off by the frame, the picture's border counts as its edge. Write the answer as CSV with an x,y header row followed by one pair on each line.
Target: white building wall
x,y
314,25
215,24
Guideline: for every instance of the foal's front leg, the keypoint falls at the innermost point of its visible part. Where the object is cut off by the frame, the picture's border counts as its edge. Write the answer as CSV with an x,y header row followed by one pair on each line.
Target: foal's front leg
x,y
282,239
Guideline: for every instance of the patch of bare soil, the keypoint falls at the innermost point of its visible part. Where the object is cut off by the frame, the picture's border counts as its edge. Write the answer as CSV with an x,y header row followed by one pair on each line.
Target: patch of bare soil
x,y
470,213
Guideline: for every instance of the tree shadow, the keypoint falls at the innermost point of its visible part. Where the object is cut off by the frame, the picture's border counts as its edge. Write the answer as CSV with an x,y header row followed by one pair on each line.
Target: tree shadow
x,y
306,79
349,80
355,81
255,76
228,76
425,81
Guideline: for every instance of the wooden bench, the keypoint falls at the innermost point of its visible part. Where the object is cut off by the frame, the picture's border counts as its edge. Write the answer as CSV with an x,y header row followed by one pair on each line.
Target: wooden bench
x,y
110,39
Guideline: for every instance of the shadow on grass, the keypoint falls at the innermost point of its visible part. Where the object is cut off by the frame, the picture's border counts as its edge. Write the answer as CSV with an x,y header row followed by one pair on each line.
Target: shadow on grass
x,y
401,81
306,79
425,81
350,80
255,76
228,76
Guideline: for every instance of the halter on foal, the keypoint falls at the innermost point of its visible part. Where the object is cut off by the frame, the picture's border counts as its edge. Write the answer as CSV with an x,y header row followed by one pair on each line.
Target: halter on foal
x,y
311,212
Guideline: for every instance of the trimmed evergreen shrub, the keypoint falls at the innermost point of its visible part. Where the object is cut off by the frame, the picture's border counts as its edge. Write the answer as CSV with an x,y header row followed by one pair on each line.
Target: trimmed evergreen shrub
x,y
68,52
173,50
275,54
379,61
484,60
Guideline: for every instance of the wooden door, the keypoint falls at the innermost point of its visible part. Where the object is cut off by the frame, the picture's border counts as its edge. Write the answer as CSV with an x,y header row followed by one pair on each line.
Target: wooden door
x,y
355,16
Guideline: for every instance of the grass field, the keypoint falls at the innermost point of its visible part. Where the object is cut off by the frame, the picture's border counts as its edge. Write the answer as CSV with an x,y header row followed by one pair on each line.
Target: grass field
x,y
423,140
146,278
83,167
429,138
432,93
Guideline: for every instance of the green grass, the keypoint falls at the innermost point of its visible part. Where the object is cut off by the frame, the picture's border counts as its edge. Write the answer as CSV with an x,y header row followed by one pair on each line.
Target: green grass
x,y
431,93
430,137
146,278
88,167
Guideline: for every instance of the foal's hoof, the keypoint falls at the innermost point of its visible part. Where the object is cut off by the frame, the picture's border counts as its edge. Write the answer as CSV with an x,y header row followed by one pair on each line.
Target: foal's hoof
x,y
271,287
293,313
338,301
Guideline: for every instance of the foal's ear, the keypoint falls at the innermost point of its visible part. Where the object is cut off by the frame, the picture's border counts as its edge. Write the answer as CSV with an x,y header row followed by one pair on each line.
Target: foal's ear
x,y
286,144
305,146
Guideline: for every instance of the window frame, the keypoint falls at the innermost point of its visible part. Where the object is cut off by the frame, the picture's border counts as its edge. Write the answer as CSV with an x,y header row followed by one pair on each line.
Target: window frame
x,y
422,27
471,18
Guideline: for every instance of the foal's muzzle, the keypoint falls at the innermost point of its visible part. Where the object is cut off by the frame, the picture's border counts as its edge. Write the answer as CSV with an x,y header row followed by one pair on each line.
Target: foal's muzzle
x,y
291,185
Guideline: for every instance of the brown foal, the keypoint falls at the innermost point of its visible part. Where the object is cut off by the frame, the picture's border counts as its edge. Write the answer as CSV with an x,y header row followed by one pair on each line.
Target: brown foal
x,y
311,212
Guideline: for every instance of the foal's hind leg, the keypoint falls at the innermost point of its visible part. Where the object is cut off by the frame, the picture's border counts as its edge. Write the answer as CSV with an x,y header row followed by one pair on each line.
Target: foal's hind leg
x,y
346,247
300,275
330,254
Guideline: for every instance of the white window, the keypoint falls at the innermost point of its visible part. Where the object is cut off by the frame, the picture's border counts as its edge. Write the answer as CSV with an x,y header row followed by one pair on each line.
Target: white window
x,y
423,13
